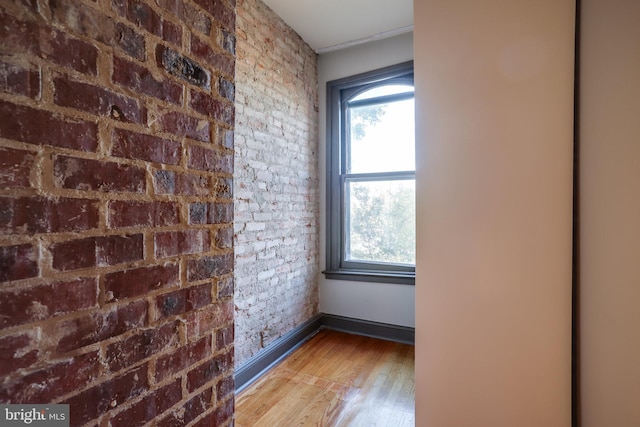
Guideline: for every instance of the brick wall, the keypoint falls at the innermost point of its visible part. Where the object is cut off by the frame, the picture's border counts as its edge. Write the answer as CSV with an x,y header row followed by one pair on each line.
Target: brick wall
x,y
116,236
275,181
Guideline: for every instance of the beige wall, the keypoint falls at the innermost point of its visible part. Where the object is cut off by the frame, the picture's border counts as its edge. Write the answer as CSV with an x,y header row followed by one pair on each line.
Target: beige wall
x,y
610,213
494,93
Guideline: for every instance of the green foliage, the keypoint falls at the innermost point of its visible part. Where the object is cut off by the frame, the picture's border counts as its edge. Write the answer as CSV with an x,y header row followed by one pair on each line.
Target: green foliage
x,y
383,223
364,117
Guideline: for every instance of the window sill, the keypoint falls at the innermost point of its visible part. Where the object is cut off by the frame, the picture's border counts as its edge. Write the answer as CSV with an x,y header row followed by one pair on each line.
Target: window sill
x,y
372,276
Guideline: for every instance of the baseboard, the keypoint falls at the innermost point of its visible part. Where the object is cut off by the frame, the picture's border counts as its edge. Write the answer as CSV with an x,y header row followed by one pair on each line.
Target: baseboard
x,y
403,334
276,351
280,348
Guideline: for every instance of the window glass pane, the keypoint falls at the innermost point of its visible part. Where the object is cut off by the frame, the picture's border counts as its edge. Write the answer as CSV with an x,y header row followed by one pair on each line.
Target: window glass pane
x,y
383,90
380,223
381,138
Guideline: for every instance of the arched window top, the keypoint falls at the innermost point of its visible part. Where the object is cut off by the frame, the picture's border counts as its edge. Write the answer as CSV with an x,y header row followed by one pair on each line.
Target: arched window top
x,y
383,90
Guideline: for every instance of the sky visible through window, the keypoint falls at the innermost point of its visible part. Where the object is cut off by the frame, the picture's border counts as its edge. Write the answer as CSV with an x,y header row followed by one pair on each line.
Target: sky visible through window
x,y
386,144
381,223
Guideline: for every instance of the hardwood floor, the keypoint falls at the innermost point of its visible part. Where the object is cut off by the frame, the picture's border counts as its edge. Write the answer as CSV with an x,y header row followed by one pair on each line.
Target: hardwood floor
x,y
334,379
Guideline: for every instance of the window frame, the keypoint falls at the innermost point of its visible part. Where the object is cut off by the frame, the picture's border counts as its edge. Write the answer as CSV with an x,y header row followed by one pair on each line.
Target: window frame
x,y
337,93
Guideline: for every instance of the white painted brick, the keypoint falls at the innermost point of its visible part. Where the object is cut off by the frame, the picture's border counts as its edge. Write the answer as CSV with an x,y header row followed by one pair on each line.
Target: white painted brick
x,y
275,180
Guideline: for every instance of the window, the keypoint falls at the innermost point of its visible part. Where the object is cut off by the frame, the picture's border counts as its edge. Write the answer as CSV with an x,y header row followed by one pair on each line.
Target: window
x,y
371,177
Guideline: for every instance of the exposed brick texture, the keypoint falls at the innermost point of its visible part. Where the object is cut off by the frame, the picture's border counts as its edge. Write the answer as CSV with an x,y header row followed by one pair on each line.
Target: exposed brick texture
x,y
15,167
114,290
275,180
19,79
41,127
29,304
29,215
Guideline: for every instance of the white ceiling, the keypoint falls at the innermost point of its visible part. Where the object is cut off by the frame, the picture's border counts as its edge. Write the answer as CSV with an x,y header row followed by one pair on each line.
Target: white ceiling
x,y
333,24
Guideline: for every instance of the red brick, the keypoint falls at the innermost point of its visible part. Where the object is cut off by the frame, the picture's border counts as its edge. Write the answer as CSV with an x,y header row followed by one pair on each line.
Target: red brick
x,y
197,20
187,126
55,380
185,184
97,251
19,80
210,213
123,354
49,43
225,287
188,184
164,182
106,396
18,262
226,89
222,213
171,304
209,371
198,213
205,103
224,14
182,67
229,42
18,34
219,61
15,167
85,174
208,319
225,387
210,160
140,14
131,42
139,79
98,326
224,238
133,145
174,243
224,186
69,52
187,13
126,213
208,267
41,127
175,7
32,4
224,337
30,304
97,100
112,250
74,254
149,407
182,358
87,21
140,281
172,33
222,414
226,138
183,300
27,215
18,351
188,412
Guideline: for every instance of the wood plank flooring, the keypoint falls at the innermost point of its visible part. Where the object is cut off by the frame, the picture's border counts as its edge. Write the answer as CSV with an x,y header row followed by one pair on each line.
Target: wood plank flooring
x,y
334,379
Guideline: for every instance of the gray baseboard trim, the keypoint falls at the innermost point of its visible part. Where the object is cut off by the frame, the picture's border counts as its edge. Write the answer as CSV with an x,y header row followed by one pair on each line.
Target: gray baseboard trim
x,y
280,348
402,334
269,356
